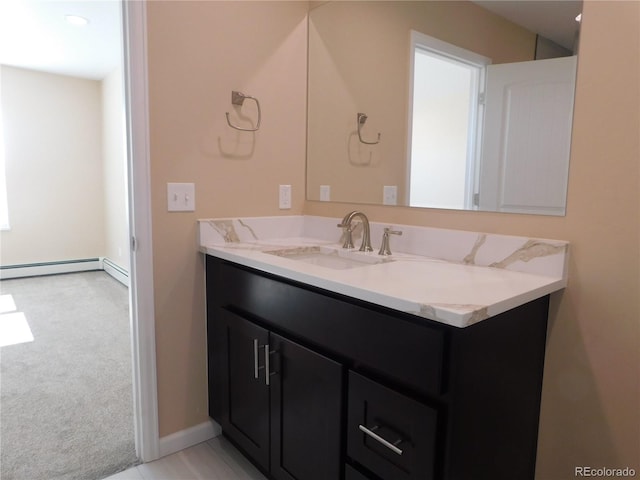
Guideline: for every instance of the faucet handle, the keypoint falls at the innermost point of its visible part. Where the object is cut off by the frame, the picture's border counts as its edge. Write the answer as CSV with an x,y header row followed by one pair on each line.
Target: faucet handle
x,y
388,231
384,248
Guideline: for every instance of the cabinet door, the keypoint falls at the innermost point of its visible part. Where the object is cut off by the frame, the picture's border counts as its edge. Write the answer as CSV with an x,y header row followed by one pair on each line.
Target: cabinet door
x,y
245,401
306,407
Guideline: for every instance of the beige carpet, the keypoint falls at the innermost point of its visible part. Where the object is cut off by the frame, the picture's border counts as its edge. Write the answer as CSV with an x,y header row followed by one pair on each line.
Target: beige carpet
x,y
66,409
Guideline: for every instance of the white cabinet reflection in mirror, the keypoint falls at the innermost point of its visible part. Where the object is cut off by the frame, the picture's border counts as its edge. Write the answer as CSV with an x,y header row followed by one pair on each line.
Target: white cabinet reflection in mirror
x,y
525,149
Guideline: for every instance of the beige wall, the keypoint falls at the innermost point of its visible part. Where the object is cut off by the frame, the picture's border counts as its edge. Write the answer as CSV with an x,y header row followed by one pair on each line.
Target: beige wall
x,y
54,167
198,52
359,62
66,168
591,399
114,158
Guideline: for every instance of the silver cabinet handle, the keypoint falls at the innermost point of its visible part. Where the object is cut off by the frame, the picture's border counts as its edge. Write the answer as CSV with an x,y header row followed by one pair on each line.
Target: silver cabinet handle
x,y
267,364
256,366
378,438
255,358
267,374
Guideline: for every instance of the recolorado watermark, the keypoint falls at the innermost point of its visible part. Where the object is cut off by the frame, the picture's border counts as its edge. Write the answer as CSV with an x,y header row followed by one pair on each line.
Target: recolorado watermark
x,y
604,472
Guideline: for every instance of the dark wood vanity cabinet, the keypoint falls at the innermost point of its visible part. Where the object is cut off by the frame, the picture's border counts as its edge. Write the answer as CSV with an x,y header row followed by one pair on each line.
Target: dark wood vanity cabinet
x,y
281,402
244,408
313,385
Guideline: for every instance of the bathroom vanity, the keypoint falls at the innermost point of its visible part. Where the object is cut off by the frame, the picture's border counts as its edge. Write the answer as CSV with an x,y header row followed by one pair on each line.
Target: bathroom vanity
x,y
365,368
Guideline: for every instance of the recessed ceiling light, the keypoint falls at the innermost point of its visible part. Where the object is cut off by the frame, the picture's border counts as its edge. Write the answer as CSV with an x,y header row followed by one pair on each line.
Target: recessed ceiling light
x,y
76,20
579,18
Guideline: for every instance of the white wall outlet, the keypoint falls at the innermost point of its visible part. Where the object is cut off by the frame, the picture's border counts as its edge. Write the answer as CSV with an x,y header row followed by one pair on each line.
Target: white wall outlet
x,y
390,195
284,198
325,193
181,197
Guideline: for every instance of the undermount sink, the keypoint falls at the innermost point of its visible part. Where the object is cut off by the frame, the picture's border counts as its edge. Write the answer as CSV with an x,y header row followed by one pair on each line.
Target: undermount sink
x,y
328,257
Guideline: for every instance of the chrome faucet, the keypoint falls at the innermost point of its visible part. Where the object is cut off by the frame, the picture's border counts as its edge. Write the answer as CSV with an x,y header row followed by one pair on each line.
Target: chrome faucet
x,y
366,235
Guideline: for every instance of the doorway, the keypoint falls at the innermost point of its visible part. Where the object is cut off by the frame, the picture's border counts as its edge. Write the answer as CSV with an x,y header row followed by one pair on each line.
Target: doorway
x,y
447,84
140,272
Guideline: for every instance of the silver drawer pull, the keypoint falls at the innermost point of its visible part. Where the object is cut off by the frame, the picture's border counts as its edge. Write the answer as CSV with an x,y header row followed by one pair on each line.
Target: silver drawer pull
x,y
378,438
267,374
256,368
267,364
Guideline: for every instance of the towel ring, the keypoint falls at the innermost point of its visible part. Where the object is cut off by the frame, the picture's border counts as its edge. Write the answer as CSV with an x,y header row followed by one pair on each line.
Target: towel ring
x,y
238,98
362,118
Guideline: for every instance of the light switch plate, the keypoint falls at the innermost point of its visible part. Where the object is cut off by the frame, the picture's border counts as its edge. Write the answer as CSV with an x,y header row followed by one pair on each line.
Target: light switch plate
x,y
284,198
390,195
325,193
181,197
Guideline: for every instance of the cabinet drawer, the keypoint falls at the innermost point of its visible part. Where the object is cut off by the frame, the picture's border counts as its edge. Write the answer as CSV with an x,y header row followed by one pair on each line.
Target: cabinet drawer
x,y
351,473
392,435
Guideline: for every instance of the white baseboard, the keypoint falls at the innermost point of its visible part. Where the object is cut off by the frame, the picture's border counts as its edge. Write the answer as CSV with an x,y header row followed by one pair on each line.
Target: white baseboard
x,y
67,266
116,271
50,268
187,438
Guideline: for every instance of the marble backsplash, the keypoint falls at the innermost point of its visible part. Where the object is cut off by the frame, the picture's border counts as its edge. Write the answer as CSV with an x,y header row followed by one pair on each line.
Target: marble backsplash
x,y
522,254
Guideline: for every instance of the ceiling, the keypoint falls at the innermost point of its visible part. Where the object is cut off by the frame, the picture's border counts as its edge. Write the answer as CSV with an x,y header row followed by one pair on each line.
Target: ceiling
x,y
555,20
35,35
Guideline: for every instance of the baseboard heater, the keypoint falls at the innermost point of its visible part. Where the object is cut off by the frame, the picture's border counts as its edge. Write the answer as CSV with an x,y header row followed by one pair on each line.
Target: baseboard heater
x,y
50,268
116,271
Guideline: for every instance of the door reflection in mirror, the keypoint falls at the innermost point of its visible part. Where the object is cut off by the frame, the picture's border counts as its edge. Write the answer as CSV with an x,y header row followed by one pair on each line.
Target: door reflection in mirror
x,y
493,137
445,118
527,136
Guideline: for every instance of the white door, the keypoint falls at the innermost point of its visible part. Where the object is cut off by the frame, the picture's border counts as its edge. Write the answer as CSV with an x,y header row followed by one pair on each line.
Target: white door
x,y
527,136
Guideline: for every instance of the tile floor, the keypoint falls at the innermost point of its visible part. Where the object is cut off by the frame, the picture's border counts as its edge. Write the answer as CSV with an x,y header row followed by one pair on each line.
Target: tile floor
x,y
215,459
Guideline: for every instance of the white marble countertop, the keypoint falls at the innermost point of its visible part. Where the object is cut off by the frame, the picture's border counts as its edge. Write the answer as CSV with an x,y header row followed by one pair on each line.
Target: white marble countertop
x,y
445,291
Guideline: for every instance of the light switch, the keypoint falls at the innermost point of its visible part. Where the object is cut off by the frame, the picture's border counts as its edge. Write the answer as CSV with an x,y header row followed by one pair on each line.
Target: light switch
x,y
181,197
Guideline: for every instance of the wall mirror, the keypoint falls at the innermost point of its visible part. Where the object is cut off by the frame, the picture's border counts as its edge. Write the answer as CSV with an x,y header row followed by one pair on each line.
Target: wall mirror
x,y
442,104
